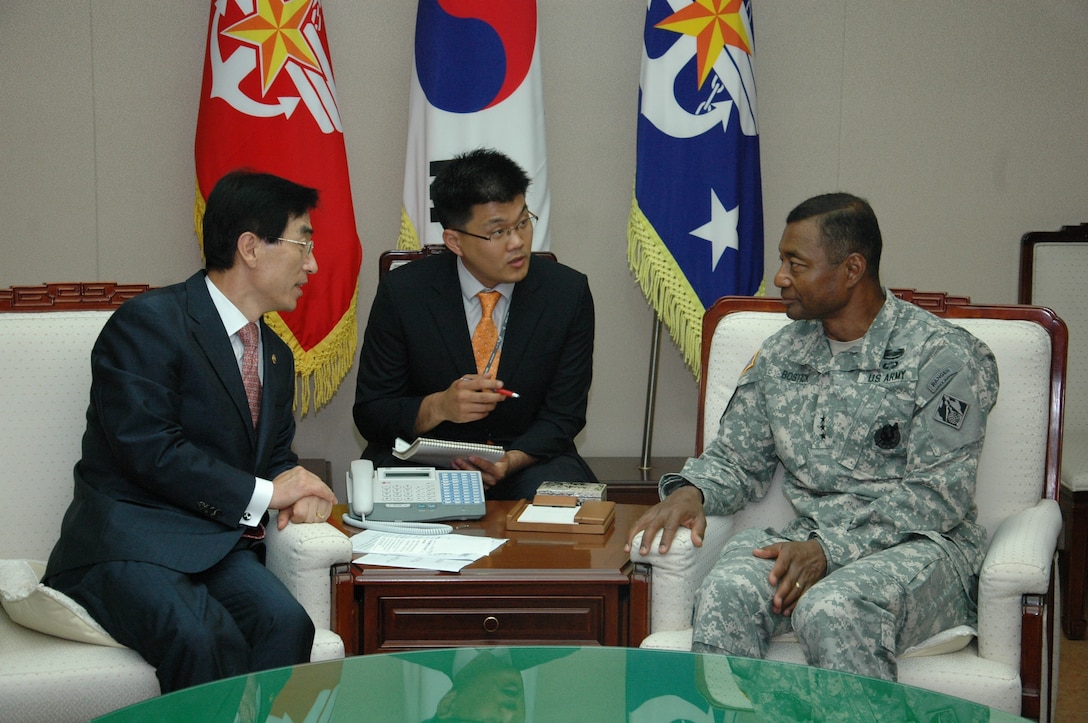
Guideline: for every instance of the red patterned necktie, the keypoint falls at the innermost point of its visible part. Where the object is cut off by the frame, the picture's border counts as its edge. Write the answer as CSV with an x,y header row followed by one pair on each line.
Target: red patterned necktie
x,y
252,382
250,378
486,334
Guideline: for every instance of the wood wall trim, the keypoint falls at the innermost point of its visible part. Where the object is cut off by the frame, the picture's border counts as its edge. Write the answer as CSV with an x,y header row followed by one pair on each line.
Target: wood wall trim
x,y
69,296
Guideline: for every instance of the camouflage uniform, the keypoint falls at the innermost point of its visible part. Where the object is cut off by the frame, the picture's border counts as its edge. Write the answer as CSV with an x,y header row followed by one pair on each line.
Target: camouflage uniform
x,y
880,446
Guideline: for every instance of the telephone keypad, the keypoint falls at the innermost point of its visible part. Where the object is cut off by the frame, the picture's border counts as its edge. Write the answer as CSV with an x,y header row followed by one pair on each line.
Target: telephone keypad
x,y
460,488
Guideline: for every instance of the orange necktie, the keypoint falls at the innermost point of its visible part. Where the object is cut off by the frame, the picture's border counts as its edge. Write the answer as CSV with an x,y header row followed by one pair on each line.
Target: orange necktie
x,y
486,334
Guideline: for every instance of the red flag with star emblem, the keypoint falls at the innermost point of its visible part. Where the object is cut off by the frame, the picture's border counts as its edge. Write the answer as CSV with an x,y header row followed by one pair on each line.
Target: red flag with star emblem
x,y
268,103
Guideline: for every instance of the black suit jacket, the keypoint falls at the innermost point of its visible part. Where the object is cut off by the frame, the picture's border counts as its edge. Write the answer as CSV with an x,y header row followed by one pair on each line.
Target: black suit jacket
x,y
417,342
170,453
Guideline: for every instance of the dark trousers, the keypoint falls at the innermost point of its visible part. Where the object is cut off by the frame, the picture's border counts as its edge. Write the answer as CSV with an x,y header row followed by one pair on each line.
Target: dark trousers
x,y
233,618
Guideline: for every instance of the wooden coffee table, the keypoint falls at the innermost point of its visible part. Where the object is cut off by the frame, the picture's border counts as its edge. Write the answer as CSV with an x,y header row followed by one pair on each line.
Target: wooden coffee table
x,y
539,588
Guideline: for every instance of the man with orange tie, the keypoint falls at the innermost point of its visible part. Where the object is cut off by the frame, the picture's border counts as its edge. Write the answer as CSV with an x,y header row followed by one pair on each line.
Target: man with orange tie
x,y
482,344
188,444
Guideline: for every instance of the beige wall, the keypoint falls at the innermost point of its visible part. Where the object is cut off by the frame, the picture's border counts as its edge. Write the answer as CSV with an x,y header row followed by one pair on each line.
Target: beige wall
x,y
964,122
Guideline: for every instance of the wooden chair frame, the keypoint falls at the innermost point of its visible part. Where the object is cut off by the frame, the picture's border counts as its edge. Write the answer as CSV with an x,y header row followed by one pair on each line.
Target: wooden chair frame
x,y
69,296
391,259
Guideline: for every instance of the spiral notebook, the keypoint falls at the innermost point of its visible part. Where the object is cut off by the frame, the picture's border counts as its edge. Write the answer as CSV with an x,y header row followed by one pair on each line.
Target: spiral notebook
x,y
442,452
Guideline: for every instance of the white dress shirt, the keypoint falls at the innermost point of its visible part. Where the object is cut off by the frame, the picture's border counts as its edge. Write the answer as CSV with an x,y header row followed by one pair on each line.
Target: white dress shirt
x,y
233,321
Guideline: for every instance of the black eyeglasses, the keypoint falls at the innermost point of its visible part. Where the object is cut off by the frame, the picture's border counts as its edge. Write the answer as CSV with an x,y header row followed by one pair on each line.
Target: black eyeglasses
x,y
523,228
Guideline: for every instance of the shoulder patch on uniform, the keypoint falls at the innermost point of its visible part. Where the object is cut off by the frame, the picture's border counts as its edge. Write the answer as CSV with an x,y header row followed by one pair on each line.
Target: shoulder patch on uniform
x,y
942,377
952,411
751,364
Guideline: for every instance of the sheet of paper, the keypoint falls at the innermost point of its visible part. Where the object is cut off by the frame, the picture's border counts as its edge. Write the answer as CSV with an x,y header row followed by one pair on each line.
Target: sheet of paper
x,y
452,545
417,562
448,553
553,515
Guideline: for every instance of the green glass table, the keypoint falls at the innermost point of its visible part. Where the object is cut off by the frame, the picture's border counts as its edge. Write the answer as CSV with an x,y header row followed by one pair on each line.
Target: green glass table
x,y
544,684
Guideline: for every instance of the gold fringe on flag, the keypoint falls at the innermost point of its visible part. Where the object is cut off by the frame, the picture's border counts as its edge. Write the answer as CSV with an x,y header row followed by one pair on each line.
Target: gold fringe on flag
x,y
198,220
408,240
319,371
666,288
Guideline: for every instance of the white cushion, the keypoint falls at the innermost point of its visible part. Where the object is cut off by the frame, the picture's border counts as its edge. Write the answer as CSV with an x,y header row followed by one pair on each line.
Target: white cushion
x,y
35,606
45,376
944,642
45,678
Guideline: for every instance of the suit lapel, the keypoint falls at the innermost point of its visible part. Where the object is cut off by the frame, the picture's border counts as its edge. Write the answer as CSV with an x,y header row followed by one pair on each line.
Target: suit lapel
x,y
211,336
447,310
526,308
272,388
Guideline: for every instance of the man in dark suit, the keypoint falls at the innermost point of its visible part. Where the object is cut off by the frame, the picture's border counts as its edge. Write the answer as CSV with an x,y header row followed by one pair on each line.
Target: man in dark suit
x,y
161,543
418,371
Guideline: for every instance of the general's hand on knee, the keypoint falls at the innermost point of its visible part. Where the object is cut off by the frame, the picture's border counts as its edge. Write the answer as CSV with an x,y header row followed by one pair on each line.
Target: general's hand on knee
x,y
798,566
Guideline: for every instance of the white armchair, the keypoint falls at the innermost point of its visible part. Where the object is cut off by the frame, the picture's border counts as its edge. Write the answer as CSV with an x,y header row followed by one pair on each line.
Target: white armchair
x,y
44,385
1012,663
1052,268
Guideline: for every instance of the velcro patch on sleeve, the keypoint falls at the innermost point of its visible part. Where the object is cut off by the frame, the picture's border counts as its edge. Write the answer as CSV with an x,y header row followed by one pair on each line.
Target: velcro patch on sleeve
x,y
952,411
942,377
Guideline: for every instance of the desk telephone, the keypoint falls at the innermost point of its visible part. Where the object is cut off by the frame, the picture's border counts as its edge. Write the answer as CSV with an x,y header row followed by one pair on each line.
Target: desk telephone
x,y
397,499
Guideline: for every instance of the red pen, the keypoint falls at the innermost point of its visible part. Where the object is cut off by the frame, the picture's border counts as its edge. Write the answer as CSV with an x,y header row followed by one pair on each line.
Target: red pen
x,y
508,393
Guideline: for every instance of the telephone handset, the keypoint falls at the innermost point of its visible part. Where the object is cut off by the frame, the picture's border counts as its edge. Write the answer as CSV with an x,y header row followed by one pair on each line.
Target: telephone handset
x,y
402,499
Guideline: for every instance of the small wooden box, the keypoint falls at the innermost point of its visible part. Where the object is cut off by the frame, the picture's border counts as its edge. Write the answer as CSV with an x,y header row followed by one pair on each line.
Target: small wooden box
x,y
592,518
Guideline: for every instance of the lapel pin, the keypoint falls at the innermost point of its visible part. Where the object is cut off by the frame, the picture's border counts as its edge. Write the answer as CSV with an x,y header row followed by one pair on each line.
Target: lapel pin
x,y
273,358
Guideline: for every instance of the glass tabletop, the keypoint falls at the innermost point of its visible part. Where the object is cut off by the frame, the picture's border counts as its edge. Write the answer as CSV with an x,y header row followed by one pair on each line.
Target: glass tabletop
x,y
545,684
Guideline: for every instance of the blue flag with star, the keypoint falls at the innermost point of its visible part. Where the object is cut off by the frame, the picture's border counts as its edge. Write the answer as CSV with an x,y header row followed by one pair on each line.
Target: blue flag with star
x,y
696,227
